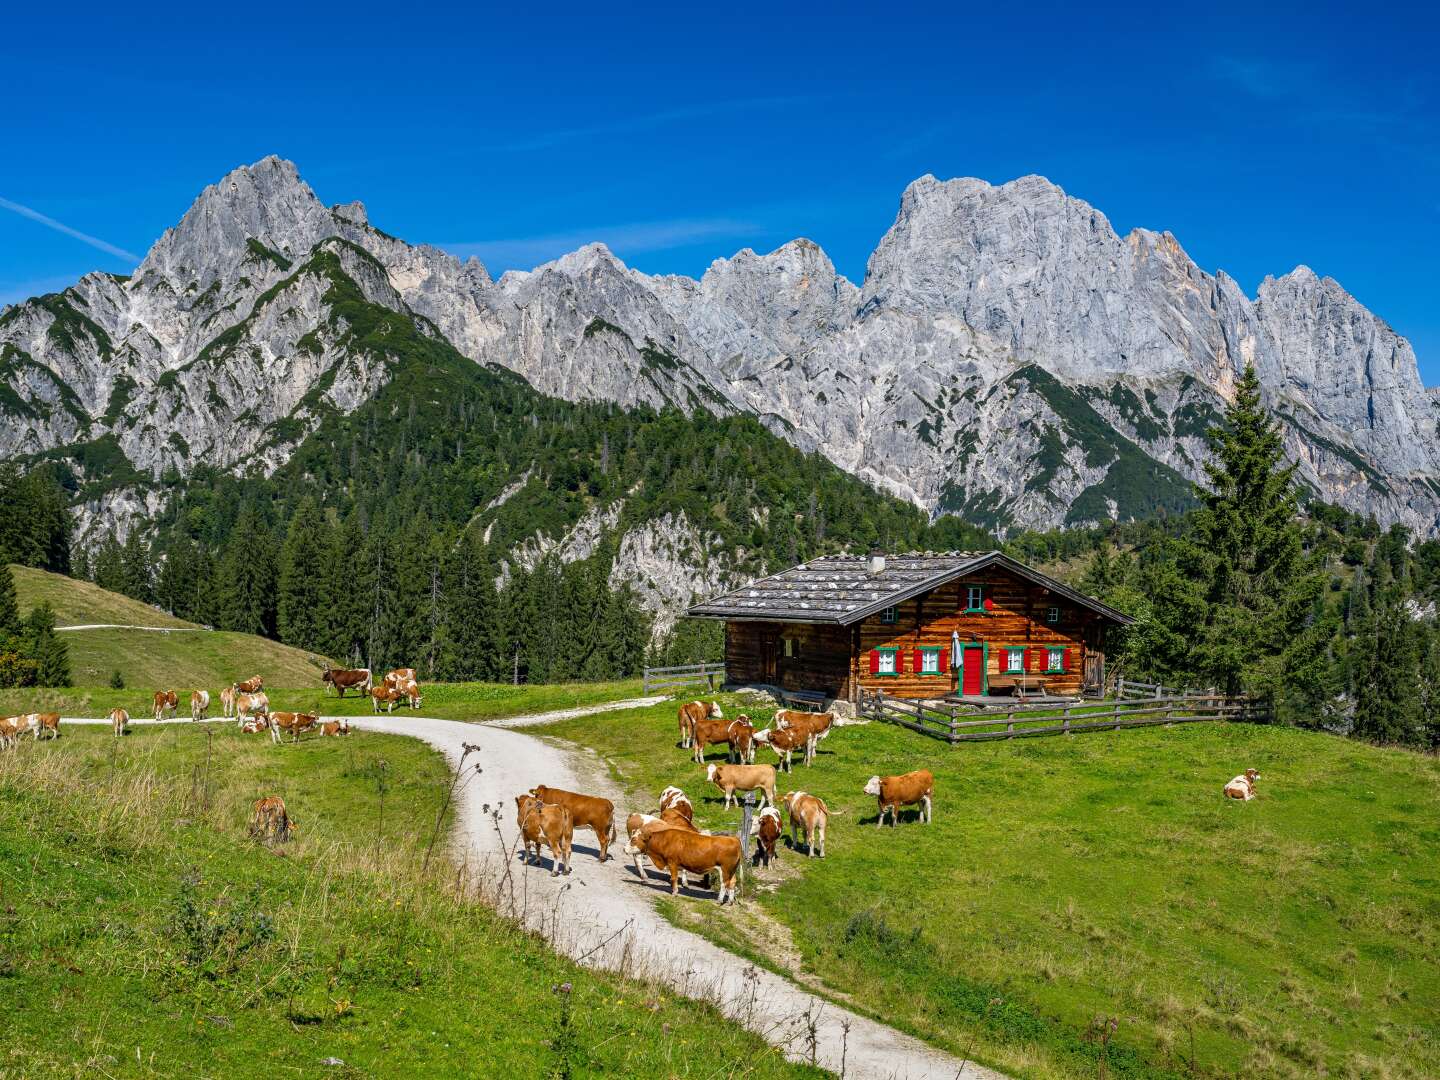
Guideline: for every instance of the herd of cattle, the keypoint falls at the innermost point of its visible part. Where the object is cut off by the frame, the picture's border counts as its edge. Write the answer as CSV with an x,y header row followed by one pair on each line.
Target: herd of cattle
x,y
668,837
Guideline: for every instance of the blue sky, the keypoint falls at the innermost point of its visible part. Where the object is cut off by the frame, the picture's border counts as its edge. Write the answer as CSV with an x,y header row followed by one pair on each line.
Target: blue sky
x,y
1262,138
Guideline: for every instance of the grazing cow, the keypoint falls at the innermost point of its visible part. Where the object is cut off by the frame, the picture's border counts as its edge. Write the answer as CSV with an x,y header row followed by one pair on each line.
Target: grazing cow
x,y
252,685
1242,787
11,728
165,701
410,690
766,829
45,724
119,720
400,676
897,791
691,713
784,741
227,702
587,811
248,704
384,695
348,679
335,728
807,812
291,723
552,823
199,704
269,821
672,798
675,850
815,726
733,778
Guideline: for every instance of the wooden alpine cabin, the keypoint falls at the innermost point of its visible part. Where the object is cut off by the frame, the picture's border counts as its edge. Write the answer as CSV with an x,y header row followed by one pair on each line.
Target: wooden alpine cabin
x,y
927,625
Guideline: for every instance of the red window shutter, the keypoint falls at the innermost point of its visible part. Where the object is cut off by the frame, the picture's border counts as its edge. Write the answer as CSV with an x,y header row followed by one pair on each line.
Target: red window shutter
x,y
944,661
1066,661
915,665
1029,659
874,661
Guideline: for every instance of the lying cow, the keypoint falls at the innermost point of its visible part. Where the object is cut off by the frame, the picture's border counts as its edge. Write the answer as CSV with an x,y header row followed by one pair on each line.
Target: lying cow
x,y
165,702
269,821
810,814
766,829
199,704
549,822
587,811
119,720
292,724
784,741
897,791
248,705
335,728
733,778
252,685
253,725
1243,786
813,726
676,850
691,713
347,679
384,695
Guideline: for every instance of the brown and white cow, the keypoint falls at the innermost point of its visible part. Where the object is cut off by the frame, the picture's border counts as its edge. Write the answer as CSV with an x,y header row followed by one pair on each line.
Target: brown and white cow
x,y
673,798
733,778
199,704
409,690
335,728
11,728
733,733
252,685
676,850
247,705
897,791
815,727
119,720
227,702
784,741
810,814
668,819
691,713
1243,786
253,725
400,676
45,725
348,679
766,829
291,723
165,702
586,811
384,695
549,822
269,821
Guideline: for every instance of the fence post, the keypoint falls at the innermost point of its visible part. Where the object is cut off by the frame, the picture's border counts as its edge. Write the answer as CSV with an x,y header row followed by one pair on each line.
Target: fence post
x,y
1065,720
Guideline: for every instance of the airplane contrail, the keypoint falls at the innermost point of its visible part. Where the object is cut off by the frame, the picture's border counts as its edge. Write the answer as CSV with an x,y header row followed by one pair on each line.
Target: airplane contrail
x,y
58,226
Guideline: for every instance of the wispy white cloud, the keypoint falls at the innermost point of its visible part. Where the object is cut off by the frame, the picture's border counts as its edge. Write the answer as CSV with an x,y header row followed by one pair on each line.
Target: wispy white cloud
x,y
526,251
61,227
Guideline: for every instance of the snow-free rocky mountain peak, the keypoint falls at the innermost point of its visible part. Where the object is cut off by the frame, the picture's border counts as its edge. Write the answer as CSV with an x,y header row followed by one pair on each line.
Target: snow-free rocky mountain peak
x,y
1008,356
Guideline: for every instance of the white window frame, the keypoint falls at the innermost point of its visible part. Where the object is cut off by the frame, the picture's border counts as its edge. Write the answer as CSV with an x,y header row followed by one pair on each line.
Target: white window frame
x,y
891,656
1014,661
929,662
974,597
1055,658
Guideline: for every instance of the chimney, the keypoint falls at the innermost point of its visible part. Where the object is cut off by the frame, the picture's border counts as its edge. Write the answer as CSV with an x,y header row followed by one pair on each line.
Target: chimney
x,y
875,564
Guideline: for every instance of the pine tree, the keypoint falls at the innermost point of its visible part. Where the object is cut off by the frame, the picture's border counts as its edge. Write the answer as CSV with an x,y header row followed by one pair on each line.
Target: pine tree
x,y
301,598
109,570
47,648
136,571
9,605
246,599
1386,654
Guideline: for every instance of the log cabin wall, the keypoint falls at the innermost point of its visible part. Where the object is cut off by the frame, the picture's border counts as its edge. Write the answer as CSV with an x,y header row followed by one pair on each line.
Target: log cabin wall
x,y
795,656
1018,619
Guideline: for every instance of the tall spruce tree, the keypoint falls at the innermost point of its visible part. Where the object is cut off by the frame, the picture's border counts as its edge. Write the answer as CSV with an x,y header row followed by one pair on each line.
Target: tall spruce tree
x,y
303,588
1245,553
9,605
47,648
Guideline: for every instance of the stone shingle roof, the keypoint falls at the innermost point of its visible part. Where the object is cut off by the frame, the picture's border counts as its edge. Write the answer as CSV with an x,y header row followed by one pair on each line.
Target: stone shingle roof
x,y
840,589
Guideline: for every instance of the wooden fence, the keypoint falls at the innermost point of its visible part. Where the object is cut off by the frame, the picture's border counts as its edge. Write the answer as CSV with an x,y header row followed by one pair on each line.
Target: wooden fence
x,y
954,724
1129,688
709,675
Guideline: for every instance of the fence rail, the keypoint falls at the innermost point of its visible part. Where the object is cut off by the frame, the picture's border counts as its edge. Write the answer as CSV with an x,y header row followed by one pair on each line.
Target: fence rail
x,y
1129,688
1023,721
709,675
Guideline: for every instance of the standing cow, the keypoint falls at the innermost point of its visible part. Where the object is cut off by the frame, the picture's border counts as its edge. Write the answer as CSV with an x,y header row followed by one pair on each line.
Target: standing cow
x,y
894,792
119,720
766,829
257,704
199,705
588,811
227,702
810,814
165,702
292,723
691,713
550,823
269,821
348,679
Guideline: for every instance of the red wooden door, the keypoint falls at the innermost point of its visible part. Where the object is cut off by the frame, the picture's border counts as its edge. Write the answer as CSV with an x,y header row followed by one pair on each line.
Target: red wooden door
x,y
971,680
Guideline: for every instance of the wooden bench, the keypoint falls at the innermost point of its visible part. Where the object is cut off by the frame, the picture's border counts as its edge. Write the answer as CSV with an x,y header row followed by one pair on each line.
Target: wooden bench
x,y
803,699
1019,685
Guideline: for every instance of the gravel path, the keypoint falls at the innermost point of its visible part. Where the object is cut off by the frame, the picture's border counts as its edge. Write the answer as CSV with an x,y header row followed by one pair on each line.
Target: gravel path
x,y
602,915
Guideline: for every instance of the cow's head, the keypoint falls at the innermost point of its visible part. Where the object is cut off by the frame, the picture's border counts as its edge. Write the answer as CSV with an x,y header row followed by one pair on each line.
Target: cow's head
x,y
872,786
715,711
325,676
762,736
1251,775
711,771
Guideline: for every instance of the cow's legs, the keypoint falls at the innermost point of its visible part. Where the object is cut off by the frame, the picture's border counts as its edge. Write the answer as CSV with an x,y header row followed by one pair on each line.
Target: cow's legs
x,y
674,879
929,810
821,830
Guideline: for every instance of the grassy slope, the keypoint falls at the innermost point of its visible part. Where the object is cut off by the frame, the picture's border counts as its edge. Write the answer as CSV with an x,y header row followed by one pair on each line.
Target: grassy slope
x,y
77,602
448,701
148,660
143,935
1066,880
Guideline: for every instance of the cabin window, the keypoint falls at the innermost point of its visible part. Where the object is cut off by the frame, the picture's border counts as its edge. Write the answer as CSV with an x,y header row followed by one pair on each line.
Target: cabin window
x,y
1056,659
974,598
1052,615
792,647
929,661
1015,660
889,616
889,662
